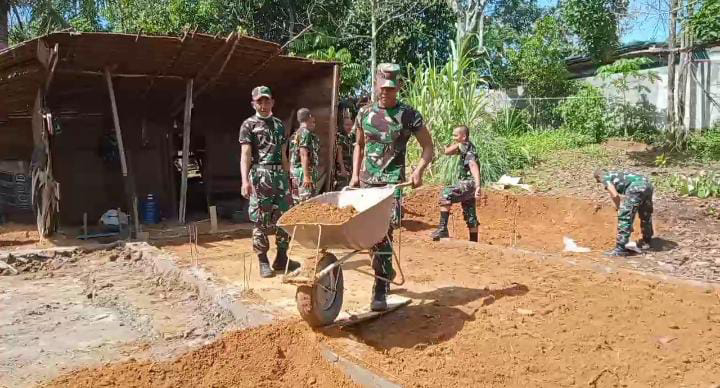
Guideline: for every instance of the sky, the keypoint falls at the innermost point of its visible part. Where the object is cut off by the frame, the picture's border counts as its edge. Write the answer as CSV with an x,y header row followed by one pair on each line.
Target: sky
x,y
645,22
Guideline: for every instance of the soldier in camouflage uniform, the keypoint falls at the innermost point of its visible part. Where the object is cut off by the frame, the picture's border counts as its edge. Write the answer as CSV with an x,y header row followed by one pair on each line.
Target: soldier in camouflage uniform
x,y
382,131
467,188
638,192
344,144
304,154
265,179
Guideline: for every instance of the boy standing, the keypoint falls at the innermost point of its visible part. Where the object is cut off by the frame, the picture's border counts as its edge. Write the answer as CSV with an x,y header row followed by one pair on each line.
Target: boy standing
x,y
467,188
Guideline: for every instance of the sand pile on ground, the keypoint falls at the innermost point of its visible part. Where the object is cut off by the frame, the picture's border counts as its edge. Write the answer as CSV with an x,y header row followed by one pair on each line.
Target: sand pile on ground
x,y
318,213
280,355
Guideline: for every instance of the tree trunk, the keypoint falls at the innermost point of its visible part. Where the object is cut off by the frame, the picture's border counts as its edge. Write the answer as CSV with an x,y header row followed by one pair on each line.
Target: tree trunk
x,y
671,68
4,17
373,47
685,65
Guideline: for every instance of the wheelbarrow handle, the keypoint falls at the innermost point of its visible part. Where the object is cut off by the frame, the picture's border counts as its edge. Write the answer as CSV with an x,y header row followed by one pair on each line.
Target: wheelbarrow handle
x,y
397,186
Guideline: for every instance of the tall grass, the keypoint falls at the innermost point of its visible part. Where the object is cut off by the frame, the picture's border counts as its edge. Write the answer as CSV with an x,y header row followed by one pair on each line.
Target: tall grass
x,y
450,95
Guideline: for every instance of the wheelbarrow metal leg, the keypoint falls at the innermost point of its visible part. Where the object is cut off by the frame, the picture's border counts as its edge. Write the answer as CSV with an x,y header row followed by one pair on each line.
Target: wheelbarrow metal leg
x,y
334,265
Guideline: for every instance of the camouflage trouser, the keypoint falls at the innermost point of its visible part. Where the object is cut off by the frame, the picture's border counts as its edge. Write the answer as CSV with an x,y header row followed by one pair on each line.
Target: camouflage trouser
x,y
463,192
638,199
270,201
382,252
300,193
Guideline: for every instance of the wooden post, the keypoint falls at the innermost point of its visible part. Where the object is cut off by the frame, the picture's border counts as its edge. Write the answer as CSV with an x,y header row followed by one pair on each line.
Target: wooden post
x,y
333,129
213,219
127,179
185,150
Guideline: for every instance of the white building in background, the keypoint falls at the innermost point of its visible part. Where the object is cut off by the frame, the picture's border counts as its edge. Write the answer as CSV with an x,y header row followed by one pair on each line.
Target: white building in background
x,y
702,94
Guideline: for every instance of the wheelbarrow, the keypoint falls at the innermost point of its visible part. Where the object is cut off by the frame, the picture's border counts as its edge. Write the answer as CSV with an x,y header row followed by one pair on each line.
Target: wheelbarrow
x,y
319,281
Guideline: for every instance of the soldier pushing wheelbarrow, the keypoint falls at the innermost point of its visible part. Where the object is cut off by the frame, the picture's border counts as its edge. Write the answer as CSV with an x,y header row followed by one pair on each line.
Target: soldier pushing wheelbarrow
x,y
383,130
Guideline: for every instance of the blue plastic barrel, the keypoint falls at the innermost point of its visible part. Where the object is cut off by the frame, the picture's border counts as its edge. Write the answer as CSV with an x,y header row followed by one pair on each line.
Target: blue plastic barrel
x,y
150,212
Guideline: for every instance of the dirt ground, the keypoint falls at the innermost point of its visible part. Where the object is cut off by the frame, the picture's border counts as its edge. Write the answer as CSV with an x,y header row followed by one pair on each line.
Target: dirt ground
x,y
89,309
512,310
491,314
281,355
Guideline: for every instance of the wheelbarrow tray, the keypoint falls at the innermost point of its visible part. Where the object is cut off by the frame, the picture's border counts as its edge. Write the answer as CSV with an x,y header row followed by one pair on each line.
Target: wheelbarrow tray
x,y
368,227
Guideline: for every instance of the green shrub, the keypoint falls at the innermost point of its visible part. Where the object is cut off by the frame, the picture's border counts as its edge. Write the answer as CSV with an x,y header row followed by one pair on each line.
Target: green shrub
x,y
535,146
704,185
586,113
706,146
511,121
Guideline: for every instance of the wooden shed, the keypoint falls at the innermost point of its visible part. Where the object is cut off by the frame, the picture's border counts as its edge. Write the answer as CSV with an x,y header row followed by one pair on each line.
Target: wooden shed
x,y
67,100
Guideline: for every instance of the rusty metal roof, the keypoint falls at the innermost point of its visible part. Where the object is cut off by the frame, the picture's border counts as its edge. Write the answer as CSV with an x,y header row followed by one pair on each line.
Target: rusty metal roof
x,y
159,61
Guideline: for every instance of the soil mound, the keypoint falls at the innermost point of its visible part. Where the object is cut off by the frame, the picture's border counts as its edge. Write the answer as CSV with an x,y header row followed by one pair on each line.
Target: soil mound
x,y
280,355
318,213
530,222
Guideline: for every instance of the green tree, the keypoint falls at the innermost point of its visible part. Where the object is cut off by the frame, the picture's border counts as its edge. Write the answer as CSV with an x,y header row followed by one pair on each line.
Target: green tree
x,y
595,22
540,61
705,24
510,22
4,24
43,16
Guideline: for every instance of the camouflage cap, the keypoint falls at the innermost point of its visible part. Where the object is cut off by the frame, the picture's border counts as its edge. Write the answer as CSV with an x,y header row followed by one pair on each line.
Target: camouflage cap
x,y
261,91
387,75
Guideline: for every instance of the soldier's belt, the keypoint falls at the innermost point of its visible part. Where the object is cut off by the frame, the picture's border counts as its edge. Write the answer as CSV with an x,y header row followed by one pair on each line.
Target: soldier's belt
x,y
271,167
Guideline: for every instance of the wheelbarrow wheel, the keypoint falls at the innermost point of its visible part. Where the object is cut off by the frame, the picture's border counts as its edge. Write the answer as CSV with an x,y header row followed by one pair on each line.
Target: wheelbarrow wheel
x,y
320,303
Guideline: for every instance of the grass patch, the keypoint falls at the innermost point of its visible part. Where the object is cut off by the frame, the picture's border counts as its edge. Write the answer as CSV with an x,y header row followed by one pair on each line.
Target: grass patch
x,y
533,147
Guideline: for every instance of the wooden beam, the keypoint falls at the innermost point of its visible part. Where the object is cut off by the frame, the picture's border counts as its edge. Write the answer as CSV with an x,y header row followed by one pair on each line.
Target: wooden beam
x,y
128,179
99,74
215,77
333,129
54,56
185,150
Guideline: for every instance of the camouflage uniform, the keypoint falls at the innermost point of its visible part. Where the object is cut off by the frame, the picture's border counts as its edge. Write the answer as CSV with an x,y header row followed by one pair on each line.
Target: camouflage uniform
x,y
303,138
464,190
269,178
638,192
345,142
387,132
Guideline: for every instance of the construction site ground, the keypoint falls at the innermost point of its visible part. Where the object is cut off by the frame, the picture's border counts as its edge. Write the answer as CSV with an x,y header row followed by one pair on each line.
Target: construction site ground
x,y
512,310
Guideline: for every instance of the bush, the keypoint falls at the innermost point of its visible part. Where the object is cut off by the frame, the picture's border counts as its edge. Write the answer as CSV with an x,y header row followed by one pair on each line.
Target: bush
x,y
533,147
638,121
706,146
511,121
586,114
705,185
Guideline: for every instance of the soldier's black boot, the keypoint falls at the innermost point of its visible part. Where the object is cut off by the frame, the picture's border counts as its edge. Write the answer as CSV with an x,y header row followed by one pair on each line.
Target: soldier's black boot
x,y
618,252
265,270
644,243
379,295
474,236
281,260
442,230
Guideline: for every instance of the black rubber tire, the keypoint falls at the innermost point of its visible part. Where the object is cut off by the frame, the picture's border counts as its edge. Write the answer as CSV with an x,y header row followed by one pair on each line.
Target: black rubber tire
x,y
310,300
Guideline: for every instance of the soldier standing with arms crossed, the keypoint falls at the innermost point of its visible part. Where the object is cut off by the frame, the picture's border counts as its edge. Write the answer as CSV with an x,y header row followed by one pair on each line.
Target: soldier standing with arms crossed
x,y
263,166
382,130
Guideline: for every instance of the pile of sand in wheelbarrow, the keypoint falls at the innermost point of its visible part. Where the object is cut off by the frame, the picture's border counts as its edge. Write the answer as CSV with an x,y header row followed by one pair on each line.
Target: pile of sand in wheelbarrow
x,y
318,213
280,355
